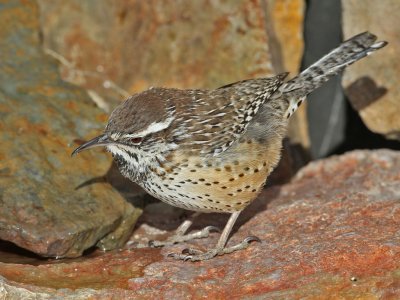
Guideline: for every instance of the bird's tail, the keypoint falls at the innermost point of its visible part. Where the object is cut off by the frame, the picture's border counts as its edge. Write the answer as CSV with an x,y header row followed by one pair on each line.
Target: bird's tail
x,y
355,48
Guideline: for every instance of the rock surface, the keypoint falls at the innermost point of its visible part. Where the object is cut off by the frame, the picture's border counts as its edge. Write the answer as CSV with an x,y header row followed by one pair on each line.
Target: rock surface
x,y
202,44
372,84
332,232
42,120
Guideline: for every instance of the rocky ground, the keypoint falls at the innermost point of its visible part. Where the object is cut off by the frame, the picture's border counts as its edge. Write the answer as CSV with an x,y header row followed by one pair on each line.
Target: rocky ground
x,y
334,230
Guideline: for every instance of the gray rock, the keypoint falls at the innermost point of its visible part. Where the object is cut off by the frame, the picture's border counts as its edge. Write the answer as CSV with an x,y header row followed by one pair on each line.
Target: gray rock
x,y
41,117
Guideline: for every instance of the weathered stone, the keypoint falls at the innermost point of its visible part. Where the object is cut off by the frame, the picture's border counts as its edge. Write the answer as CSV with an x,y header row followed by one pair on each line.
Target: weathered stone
x,y
202,44
41,117
372,84
331,232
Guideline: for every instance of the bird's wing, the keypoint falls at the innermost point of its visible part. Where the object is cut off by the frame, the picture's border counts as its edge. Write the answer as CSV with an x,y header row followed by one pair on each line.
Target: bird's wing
x,y
220,117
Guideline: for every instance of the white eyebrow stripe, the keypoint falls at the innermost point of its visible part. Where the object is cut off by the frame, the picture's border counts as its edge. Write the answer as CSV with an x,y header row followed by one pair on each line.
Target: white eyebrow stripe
x,y
152,128
115,136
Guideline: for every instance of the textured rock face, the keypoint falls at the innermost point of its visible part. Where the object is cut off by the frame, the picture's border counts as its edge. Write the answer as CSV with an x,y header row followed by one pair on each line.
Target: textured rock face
x,y
372,85
42,117
331,231
149,43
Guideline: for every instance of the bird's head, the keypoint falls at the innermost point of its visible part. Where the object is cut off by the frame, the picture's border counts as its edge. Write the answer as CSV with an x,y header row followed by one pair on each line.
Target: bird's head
x,y
138,131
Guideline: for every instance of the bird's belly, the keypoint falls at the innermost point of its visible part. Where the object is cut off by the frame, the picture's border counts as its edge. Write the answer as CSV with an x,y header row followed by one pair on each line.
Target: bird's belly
x,y
225,184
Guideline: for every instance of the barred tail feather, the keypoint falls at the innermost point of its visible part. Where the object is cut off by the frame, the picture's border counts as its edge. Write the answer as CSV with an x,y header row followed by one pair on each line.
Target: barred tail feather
x,y
350,51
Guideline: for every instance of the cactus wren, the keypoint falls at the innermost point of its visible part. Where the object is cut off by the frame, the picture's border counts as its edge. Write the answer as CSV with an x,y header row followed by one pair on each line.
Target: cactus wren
x,y
212,150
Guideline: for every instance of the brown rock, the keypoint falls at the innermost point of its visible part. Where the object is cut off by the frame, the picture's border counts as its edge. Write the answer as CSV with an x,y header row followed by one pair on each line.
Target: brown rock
x,y
42,119
201,44
372,84
332,232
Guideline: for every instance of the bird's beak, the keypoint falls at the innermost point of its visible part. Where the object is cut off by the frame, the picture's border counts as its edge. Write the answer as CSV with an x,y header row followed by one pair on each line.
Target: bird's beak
x,y
101,140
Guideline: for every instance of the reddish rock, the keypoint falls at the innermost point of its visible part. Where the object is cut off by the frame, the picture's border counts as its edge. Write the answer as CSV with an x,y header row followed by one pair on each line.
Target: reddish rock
x,y
331,232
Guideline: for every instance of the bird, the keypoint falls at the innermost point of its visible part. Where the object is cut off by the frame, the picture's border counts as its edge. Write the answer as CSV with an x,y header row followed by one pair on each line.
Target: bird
x,y
212,150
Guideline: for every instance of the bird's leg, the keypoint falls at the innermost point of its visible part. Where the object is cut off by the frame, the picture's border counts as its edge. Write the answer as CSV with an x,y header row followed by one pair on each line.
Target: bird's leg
x,y
180,235
220,249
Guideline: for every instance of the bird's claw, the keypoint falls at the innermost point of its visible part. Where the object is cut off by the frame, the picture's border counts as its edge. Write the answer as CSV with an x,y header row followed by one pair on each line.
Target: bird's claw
x,y
205,232
191,254
251,238
191,251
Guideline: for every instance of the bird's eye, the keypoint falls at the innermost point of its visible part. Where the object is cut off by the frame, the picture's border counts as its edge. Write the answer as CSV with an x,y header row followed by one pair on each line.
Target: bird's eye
x,y
136,140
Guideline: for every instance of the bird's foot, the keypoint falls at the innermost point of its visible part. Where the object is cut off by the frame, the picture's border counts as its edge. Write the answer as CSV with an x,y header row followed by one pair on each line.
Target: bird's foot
x,y
191,254
179,238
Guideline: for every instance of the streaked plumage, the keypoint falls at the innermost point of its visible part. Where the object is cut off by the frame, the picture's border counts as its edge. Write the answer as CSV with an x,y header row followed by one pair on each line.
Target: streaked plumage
x,y
212,150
